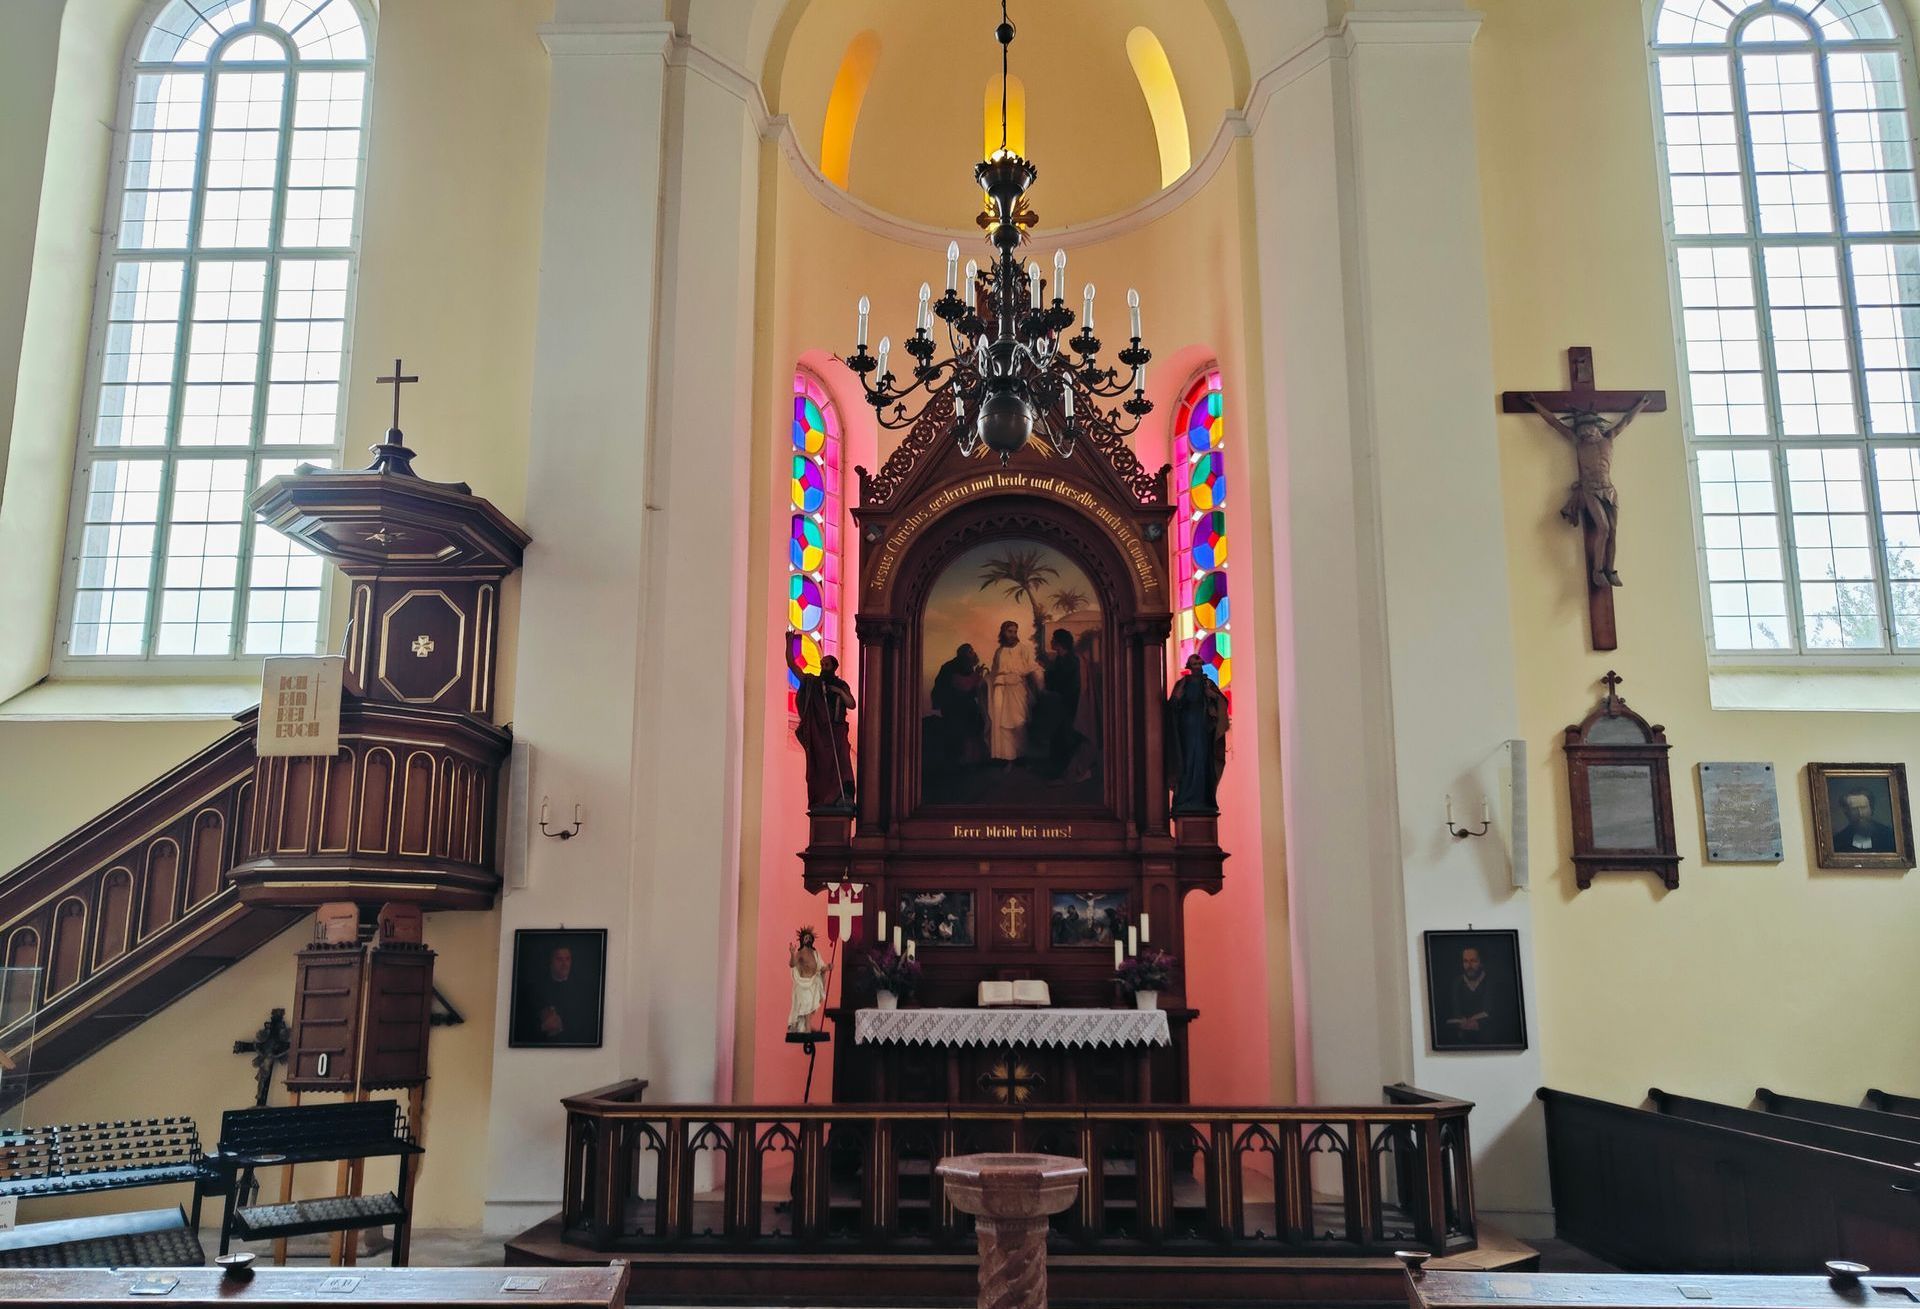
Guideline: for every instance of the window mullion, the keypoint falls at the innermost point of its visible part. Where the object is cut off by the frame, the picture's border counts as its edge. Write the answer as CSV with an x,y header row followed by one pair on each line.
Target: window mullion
x,y
1789,546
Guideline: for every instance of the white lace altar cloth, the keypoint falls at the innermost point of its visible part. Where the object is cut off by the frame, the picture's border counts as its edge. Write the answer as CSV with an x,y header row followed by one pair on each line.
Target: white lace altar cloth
x,y
1065,1027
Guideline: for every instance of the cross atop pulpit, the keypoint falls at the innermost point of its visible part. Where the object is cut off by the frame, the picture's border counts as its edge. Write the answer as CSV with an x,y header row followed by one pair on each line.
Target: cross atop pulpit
x,y
392,455
1593,503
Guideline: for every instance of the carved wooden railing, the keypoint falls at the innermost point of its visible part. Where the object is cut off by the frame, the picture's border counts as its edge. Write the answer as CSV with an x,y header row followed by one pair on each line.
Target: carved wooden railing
x,y
1202,1179
129,911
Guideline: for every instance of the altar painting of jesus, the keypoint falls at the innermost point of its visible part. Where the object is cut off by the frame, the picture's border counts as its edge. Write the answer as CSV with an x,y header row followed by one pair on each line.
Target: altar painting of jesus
x,y
1013,639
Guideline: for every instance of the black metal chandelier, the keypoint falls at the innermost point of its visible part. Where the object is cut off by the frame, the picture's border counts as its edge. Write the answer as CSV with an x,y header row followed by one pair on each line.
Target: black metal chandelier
x,y
1012,374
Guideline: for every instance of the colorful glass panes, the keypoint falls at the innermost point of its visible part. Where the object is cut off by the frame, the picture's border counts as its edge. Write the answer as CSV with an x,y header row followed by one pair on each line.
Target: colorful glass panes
x,y
1204,615
813,540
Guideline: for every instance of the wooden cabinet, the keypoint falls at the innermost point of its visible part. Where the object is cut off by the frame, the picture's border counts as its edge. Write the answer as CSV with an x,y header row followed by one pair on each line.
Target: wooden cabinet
x,y
360,1017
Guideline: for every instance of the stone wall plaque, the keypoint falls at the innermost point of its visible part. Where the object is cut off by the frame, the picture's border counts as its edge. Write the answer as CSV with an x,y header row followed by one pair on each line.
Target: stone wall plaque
x,y
1740,805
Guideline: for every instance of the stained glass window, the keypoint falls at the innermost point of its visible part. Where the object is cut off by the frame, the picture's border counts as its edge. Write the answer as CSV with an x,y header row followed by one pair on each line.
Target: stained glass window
x,y
1203,623
1795,230
220,336
813,532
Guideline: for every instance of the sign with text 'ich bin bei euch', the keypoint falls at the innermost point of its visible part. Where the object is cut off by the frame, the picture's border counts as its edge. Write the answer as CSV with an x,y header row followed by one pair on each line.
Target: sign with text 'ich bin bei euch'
x,y
300,705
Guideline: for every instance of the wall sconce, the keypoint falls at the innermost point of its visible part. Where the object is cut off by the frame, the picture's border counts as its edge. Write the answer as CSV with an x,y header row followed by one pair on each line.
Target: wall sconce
x,y
563,833
1486,821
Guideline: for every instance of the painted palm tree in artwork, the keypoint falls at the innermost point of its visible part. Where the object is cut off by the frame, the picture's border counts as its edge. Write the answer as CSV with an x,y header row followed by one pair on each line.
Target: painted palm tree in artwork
x,y
1023,573
1069,602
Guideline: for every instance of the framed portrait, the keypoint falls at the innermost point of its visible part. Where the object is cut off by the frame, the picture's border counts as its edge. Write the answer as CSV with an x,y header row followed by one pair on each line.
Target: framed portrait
x,y
937,918
1860,816
559,987
1087,918
1474,1000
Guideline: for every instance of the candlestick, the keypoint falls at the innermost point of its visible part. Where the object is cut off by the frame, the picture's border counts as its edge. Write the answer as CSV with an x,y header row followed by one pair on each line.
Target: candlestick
x,y
1059,273
1086,308
1119,954
1133,309
953,262
1143,927
1133,939
862,335
886,348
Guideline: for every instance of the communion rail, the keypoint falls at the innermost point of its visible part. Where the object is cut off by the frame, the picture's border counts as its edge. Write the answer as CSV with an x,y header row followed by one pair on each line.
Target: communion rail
x,y
1281,1181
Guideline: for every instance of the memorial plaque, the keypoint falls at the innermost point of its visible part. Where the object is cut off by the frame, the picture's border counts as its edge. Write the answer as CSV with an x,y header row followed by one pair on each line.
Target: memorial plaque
x,y
1740,804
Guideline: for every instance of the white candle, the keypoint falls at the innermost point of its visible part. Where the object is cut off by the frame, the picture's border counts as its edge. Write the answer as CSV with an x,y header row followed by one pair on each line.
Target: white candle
x,y
1119,955
896,939
911,947
973,282
1059,273
882,928
1133,309
1033,284
1086,308
1143,927
953,262
886,348
1449,811
923,318
1066,401
864,307
1133,939
1486,810
1140,378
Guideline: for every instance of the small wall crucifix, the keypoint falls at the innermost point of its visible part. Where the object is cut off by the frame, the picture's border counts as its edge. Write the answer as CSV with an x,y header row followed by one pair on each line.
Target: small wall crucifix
x,y
1593,505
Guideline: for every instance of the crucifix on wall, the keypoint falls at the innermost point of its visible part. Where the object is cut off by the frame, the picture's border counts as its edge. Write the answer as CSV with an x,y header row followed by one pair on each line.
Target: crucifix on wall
x,y
1593,505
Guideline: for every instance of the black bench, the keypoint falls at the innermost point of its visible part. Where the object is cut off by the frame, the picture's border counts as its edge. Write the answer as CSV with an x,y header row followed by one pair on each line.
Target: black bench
x,y
78,1158
298,1134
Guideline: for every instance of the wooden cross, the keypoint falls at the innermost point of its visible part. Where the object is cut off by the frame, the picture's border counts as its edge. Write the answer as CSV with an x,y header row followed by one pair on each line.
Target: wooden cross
x,y
396,381
1593,503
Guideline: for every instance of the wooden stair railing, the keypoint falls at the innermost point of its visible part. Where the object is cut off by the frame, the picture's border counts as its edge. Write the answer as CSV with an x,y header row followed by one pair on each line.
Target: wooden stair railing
x,y
129,912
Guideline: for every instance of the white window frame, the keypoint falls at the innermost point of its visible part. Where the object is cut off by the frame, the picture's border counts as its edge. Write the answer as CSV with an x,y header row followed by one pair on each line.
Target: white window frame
x,y
236,663
1755,241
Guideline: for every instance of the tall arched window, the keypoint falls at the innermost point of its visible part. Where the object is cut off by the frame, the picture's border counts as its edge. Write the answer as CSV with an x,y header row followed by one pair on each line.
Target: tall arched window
x,y
1790,178
813,540
1204,619
220,330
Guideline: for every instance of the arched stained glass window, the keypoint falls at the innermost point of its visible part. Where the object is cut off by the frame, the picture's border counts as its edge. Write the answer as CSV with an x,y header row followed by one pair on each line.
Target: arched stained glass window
x,y
1204,620
1788,155
221,329
813,536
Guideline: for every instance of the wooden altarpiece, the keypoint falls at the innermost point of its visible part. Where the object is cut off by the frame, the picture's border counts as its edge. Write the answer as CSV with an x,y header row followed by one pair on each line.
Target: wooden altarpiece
x,y
1039,845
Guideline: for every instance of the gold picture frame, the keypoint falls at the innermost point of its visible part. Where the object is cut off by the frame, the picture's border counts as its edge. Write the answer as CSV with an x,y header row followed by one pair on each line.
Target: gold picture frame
x,y
1876,834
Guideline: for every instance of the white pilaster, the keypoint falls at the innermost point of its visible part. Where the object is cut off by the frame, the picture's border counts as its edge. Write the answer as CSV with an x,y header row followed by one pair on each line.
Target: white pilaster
x,y
1399,653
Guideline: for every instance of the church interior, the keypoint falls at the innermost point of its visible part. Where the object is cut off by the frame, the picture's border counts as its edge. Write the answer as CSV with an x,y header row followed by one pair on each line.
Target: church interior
x,y
686,650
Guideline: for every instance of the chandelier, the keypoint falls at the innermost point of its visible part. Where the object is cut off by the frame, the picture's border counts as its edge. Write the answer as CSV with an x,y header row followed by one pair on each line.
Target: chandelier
x,y
1011,373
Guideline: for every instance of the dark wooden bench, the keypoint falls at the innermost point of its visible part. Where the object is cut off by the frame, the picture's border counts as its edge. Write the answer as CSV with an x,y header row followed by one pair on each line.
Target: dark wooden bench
x,y
1857,1119
322,1288
1799,1131
1657,1192
1889,1103
83,1158
271,1137
1448,1289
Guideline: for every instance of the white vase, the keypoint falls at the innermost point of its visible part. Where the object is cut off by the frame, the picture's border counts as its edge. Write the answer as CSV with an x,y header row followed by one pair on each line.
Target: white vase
x,y
885,1000
1146,999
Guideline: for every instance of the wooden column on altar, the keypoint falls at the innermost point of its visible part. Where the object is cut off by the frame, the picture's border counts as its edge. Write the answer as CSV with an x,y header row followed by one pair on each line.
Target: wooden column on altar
x,y
1013,818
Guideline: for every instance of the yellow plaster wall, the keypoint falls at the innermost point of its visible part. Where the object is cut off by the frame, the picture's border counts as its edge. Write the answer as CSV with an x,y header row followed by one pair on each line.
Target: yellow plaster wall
x,y
1747,975
448,279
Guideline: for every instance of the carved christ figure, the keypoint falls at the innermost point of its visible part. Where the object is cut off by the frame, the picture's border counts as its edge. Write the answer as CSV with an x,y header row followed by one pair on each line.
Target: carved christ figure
x,y
1592,500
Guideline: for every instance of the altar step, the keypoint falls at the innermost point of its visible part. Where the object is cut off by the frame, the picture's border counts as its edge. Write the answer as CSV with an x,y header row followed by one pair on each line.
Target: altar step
x,y
940,1279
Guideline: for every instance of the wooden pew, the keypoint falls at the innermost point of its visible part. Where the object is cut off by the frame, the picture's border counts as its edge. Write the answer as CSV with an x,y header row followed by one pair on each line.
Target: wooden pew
x,y
1655,1192
1799,1131
1857,1119
1888,1102
283,1288
1446,1289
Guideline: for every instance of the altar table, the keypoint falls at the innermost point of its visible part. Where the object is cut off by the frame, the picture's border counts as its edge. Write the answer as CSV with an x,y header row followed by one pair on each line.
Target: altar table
x,y
1014,1056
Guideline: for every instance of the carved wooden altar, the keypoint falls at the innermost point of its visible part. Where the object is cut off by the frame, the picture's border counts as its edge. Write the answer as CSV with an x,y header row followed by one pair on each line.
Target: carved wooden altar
x,y
1022,868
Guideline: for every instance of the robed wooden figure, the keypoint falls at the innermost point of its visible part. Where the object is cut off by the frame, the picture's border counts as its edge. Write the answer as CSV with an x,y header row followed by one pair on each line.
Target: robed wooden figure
x,y
1196,741
822,703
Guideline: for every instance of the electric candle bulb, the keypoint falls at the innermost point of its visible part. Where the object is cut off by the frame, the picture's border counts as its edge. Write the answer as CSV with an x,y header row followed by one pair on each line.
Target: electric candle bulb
x,y
923,318
864,307
1086,308
1033,284
1133,310
1143,928
953,262
886,348
973,282
1059,273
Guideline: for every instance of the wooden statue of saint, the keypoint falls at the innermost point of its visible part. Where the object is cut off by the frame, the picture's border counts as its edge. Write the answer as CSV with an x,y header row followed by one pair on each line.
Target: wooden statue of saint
x,y
809,981
1196,741
822,703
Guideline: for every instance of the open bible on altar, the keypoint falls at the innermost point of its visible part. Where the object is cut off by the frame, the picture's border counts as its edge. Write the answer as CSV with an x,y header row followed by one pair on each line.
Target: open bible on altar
x,y
1025,994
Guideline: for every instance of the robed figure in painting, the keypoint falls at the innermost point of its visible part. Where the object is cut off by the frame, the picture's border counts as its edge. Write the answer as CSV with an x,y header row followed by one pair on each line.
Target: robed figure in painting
x,y
1196,741
822,703
1009,695
1058,707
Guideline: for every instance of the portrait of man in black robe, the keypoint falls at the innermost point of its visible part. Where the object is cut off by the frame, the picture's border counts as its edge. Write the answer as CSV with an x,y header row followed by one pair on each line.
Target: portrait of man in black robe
x,y
559,984
1473,986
